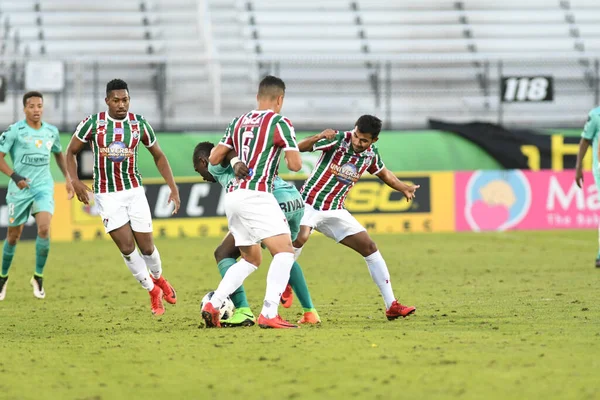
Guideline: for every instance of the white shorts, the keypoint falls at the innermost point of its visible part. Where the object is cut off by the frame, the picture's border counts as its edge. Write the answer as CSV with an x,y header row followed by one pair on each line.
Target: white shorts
x,y
335,224
125,206
254,216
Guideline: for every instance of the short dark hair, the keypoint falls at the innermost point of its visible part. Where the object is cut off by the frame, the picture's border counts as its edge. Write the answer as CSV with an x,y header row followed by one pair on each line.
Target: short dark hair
x,y
369,124
116,84
31,94
202,150
271,86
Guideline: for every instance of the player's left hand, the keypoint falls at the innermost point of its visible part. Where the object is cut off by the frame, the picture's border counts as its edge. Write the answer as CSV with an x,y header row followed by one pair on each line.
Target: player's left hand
x,y
409,192
241,170
174,198
70,191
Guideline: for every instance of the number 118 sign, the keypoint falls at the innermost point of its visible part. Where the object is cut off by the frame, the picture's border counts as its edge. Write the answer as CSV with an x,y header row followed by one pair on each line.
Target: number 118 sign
x,y
527,89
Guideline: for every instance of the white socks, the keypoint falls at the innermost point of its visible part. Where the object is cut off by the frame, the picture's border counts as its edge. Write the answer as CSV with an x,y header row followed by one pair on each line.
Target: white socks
x,y
381,277
233,279
153,263
277,279
298,251
137,266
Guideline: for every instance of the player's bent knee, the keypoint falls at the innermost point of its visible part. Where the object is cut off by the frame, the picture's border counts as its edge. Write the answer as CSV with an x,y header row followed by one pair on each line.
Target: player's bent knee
x,y
369,248
43,231
147,250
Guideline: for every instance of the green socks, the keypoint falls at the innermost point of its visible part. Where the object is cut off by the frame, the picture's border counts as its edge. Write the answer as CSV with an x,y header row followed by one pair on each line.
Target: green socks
x,y
238,297
300,287
8,253
42,247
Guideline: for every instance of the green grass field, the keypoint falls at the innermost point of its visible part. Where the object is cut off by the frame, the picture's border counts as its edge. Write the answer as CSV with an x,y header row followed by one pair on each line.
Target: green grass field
x,y
499,316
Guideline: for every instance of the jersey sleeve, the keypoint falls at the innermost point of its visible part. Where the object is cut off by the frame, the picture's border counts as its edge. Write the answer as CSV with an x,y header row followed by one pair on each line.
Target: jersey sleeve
x,y
7,139
328,144
376,164
56,146
148,135
285,135
591,126
83,131
223,175
227,139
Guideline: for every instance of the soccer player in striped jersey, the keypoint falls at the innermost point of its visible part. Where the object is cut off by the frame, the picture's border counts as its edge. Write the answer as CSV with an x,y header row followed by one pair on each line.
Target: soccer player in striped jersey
x,y
31,189
290,201
114,136
253,214
345,157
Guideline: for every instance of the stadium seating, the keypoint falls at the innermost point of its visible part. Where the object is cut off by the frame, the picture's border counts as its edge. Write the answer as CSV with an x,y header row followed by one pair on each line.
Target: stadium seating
x,y
405,60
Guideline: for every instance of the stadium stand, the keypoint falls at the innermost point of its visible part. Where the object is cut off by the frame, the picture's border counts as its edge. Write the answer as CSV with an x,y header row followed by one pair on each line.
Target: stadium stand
x,y
406,61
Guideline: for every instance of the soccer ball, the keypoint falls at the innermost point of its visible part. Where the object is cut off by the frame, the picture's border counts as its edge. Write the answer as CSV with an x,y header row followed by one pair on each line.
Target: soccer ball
x,y
226,309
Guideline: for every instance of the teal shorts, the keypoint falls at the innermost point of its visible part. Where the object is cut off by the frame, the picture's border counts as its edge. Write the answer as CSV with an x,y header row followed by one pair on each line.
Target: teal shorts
x,y
28,202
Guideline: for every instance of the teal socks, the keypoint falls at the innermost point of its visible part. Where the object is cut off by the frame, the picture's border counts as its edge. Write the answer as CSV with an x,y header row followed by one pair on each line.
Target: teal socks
x,y
42,248
300,287
8,252
238,297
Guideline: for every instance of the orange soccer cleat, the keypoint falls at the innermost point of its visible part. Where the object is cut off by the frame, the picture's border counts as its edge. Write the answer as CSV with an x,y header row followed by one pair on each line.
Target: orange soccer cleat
x,y
168,291
310,317
156,301
275,322
211,316
287,297
397,310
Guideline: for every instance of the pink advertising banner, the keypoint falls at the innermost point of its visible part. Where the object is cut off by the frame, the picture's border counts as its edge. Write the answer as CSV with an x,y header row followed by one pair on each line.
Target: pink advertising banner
x,y
515,199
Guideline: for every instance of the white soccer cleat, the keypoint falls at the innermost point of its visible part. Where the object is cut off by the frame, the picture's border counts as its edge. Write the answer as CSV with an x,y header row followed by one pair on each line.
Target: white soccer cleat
x,y
4,283
37,284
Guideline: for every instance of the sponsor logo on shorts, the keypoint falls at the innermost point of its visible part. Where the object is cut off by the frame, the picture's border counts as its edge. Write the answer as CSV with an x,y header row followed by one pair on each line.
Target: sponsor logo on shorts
x,y
105,222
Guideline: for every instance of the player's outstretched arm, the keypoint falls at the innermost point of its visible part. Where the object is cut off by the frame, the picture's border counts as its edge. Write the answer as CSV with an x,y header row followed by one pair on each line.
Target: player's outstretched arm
x,y
392,181
80,188
583,147
163,166
309,143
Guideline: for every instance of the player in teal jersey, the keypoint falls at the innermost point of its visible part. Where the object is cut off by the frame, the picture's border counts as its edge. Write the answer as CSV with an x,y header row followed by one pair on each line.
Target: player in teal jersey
x,y
31,189
291,203
590,135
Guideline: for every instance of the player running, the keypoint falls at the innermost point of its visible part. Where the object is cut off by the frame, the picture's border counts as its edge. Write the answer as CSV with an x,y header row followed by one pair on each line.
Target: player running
x,y
590,135
291,203
253,214
31,189
114,136
344,159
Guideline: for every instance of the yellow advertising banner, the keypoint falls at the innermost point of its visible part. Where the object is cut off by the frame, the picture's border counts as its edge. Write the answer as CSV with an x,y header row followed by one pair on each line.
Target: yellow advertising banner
x,y
375,205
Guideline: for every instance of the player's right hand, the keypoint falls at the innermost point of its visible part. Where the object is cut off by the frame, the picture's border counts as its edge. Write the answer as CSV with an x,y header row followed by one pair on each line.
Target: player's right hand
x,y
23,184
579,177
328,134
81,190
241,171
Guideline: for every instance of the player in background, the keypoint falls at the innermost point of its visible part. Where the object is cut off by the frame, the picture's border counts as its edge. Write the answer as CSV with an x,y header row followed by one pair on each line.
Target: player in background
x,y
344,159
114,136
226,254
31,189
590,135
253,214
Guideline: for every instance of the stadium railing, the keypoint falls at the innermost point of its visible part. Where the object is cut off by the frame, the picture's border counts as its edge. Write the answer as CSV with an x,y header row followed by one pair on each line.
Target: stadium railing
x,y
325,90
